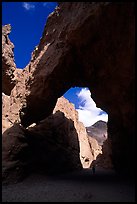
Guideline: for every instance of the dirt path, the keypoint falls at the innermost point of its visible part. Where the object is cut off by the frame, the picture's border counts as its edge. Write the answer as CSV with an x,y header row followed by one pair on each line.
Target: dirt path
x,y
81,186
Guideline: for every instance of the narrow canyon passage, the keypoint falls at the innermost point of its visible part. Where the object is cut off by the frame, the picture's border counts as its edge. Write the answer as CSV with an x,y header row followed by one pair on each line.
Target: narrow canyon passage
x,y
41,130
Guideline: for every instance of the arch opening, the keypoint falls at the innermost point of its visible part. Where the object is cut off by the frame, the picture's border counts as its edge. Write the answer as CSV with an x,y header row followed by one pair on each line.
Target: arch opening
x,y
94,61
88,112
94,145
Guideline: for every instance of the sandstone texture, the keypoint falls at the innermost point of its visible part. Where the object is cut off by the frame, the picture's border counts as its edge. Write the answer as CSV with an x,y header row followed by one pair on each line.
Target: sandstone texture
x,y
56,144
49,147
8,65
92,45
86,156
87,44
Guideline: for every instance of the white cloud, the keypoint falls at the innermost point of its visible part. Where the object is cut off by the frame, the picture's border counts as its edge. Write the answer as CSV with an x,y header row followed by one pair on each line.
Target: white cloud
x,y
88,112
48,4
45,4
28,6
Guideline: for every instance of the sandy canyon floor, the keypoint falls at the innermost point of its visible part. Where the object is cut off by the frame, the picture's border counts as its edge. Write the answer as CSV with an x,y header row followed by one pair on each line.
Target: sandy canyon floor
x,y
81,186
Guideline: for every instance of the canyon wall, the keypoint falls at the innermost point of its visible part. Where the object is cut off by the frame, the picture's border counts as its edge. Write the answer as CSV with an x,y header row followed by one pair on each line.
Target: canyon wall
x,y
88,44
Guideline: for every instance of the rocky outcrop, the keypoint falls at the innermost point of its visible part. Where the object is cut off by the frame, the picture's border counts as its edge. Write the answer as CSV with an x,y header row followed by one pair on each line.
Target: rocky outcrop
x,y
8,65
86,156
89,147
52,146
11,104
15,154
98,131
56,144
94,49
104,159
11,76
100,145
6,122
87,44
96,149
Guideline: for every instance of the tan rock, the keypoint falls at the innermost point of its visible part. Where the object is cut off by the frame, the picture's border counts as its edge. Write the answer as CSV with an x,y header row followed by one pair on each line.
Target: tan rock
x,y
68,109
8,64
93,48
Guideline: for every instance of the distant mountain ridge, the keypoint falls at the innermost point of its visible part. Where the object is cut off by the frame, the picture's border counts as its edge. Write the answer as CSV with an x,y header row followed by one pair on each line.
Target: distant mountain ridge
x,y
100,124
98,131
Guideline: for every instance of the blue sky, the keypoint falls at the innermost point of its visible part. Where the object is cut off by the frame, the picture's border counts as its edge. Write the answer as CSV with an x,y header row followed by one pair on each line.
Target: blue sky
x,y
27,20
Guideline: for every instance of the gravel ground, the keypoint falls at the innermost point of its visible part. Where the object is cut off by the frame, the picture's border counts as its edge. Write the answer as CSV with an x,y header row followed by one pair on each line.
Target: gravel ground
x,y
80,186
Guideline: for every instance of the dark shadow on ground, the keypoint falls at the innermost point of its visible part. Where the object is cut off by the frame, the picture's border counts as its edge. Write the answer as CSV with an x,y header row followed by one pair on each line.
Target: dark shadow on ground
x,y
78,186
101,175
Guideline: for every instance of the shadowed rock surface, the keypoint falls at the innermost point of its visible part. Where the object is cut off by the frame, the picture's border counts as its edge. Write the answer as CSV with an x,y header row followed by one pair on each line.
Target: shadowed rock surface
x,y
92,49
15,154
87,150
104,159
52,146
55,145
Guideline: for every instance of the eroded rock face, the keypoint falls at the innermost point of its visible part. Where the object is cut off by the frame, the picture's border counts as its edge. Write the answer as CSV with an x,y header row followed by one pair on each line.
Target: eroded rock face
x,y
8,65
52,146
56,144
12,104
96,149
86,155
100,145
104,159
94,49
6,123
15,154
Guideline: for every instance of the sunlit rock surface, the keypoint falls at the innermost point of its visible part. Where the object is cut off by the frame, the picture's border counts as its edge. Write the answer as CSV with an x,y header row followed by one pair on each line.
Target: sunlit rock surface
x,y
92,49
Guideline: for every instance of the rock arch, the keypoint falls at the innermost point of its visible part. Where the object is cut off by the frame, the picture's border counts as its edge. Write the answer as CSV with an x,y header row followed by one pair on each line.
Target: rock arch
x,y
92,45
